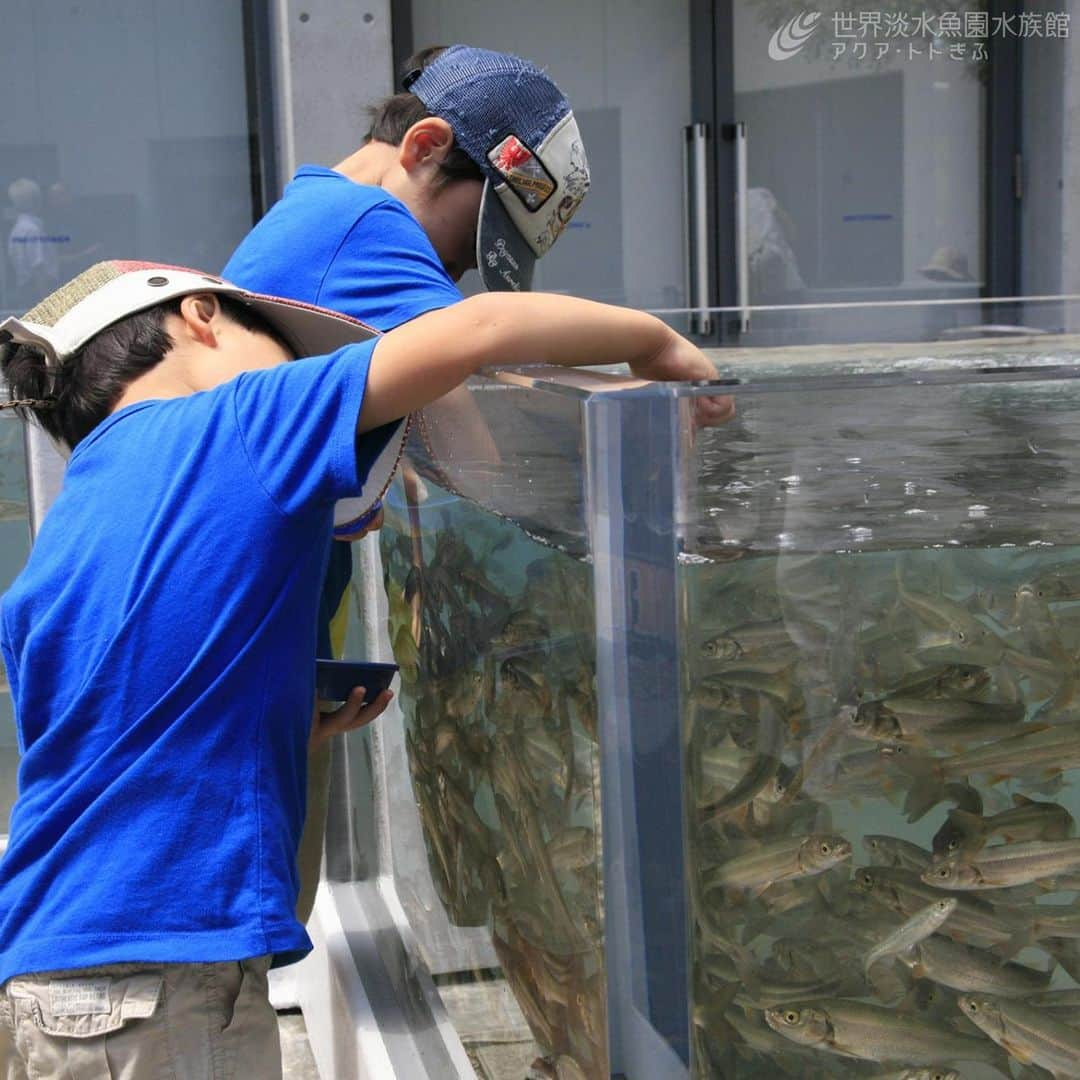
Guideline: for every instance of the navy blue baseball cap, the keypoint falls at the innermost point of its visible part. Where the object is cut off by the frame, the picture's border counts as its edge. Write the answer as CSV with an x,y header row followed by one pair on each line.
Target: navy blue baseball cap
x,y
518,127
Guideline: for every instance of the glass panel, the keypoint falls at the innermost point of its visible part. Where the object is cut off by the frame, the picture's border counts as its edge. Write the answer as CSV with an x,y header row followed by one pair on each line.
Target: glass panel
x,y
869,330
874,572
152,165
492,624
879,603
1049,169
865,134
14,549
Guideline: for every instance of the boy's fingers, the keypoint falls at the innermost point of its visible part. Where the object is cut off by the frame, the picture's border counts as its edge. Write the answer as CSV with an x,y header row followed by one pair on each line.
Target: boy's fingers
x,y
711,411
355,713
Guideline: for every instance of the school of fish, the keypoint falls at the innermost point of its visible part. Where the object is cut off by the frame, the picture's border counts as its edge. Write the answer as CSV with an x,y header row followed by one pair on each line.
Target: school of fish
x,y
880,749
881,752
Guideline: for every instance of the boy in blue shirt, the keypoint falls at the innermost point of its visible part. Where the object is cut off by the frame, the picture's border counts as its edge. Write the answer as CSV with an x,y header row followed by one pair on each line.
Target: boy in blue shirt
x,y
477,163
159,641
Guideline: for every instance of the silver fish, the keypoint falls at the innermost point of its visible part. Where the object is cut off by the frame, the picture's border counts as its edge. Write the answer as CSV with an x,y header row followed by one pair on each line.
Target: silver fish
x,y
959,627
1042,637
974,920
1039,749
964,967
921,719
1005,865
1056,586
781,860
872,1033
893,851
928,1072
1029,1036
942,680
921,925
1025,820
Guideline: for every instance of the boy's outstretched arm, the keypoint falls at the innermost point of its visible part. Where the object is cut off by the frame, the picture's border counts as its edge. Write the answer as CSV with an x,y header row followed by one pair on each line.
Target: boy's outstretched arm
x,y
418,362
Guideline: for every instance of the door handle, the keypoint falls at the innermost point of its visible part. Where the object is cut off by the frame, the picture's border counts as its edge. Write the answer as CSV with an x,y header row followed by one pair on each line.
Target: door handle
x,y
696,226
742,245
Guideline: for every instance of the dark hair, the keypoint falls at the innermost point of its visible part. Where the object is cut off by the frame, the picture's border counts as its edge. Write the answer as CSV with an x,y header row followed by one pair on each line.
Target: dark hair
x,y
393,116
69,402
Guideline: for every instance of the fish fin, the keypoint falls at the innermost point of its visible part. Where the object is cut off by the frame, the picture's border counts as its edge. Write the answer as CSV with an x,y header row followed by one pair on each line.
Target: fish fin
x,y
1011,946
970,821
922,797
1016,1050
1021,800
966,797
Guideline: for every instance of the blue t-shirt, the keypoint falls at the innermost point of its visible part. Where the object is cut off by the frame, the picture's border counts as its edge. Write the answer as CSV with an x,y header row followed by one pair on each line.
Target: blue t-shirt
x,y
351,248
159,647
345,246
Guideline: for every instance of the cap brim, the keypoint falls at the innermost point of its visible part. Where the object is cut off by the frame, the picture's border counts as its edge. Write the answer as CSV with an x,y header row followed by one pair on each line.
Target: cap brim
x,y
308,330
311,331
504,259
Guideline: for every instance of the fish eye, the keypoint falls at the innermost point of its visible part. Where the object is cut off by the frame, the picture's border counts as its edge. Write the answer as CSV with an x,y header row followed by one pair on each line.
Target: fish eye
x,y
825,849
866,878
943,872
791,1016
972,1007
952,845
960,635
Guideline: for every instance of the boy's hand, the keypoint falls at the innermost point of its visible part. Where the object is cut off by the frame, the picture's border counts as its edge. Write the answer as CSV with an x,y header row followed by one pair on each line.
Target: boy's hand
x,y
352,715
679,360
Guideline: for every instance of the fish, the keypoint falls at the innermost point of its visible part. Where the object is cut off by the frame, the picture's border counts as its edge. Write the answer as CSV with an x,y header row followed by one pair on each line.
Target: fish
x,y
1005,865
927,1072
922,924
974,920
872,1033
1057,586
965,967
1025,820
1029,1035
920,719
960,628
893,851
573,849
762,769
942,681
1032,615
1042,749
780,860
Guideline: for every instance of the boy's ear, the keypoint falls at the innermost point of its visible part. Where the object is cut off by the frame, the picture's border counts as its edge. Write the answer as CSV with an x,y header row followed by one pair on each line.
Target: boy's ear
x,y
198,312
426,144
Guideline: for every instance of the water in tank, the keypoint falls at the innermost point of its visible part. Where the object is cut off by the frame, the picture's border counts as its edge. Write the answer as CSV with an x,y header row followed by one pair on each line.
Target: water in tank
x,y
875,571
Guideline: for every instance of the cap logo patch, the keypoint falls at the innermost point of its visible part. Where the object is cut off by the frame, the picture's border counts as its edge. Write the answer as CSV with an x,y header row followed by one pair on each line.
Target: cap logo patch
x,y
523,172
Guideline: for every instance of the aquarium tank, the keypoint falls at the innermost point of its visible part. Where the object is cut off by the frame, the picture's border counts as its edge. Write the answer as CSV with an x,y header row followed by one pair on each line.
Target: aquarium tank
x,y
751,750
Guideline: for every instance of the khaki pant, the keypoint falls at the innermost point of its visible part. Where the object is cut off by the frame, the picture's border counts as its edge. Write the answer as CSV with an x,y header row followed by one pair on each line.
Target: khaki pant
x,y
141,1022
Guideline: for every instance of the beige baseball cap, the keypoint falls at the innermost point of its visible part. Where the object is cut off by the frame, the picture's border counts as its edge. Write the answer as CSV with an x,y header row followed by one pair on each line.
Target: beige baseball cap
x,y
68,318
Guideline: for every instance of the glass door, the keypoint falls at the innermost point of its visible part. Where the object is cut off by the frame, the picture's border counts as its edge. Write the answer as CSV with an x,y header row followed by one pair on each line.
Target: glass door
x,y
899,156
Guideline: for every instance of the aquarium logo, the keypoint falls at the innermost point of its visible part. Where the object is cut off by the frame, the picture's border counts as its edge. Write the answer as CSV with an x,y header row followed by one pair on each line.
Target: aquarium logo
x,y
793,35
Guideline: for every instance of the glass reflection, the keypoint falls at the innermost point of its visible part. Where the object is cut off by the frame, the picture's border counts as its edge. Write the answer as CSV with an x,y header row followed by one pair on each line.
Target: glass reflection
x,y
494,635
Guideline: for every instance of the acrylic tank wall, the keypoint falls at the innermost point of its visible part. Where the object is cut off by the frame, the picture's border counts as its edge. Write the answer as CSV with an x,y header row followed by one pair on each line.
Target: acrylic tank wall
x,y
751,751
